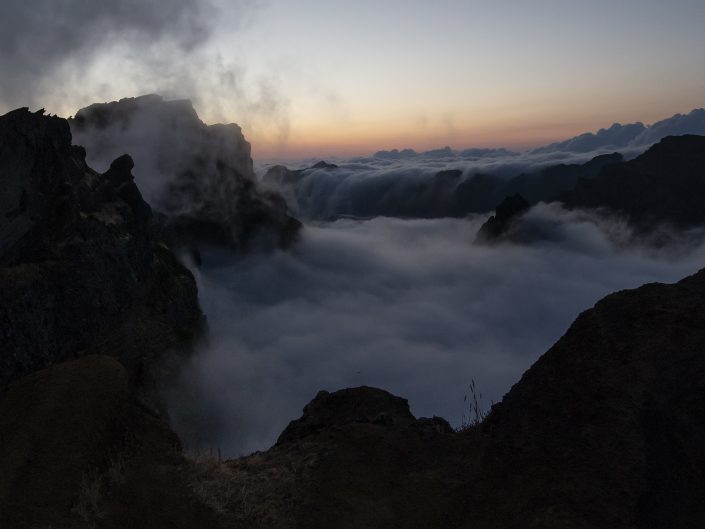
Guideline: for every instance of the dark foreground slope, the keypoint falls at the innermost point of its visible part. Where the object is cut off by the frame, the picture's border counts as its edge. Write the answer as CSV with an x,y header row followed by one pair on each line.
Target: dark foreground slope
x,y
607,429
78,450
82,265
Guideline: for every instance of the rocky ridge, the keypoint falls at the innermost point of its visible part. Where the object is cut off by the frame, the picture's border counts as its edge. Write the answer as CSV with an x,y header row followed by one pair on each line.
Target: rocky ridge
x,y
664,185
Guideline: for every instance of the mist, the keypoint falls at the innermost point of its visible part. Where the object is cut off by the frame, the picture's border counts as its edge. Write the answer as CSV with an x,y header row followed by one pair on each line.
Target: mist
x,y
411,306
47,42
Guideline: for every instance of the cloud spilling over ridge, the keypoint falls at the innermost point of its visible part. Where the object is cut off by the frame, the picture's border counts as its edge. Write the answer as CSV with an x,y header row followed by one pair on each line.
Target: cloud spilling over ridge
x,y
415,186
446,182
410,306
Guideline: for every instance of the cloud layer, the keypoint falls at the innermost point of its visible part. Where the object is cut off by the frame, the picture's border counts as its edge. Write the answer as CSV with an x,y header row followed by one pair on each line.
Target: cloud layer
x,y
411,306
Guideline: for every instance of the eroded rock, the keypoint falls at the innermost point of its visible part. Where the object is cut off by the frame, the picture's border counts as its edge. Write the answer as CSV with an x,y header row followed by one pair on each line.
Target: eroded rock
x,y
82,266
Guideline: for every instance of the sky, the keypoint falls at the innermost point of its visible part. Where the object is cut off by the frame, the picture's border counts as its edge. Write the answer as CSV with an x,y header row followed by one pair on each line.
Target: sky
x,y
326,78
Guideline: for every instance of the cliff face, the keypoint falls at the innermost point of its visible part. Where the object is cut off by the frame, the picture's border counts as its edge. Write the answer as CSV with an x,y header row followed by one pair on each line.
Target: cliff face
x,y
199,176
82,268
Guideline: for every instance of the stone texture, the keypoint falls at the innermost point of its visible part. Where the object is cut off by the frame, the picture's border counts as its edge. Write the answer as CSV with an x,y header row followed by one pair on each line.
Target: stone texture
x,y
82,268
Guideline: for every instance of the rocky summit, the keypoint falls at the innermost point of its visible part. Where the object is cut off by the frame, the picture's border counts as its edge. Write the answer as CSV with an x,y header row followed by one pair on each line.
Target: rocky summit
x,y
199,176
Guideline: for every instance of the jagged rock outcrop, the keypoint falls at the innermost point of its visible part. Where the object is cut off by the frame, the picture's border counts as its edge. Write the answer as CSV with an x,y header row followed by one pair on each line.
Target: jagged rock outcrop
x,y
82,266
199,176
510,210
664,185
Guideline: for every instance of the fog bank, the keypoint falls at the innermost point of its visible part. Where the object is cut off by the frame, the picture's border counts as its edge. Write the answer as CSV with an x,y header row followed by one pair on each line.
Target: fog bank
x,y
407,305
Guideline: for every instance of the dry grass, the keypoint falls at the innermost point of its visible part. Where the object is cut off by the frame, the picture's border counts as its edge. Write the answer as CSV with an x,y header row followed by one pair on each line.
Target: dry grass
x,y
93,487
247,492
213,483
88,506
475,411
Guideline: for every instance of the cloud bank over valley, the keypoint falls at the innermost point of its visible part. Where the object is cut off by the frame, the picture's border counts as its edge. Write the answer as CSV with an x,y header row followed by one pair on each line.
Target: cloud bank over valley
x,y
409,305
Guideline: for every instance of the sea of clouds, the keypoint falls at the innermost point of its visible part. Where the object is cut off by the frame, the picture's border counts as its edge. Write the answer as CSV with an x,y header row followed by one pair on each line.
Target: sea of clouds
x,y
376,184
412,306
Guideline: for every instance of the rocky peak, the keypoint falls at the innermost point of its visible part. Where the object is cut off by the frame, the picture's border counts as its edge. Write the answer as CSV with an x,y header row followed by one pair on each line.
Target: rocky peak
x,y
38,169
324,165
81,264
201,177
511,208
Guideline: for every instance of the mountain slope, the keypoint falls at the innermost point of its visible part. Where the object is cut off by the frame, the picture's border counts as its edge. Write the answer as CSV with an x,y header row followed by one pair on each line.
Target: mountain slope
x,y
665,184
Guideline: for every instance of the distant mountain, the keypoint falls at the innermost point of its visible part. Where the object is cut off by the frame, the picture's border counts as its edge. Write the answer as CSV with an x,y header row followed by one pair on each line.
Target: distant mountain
x,y
678,125
620,136
665,184
444,152
615,137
